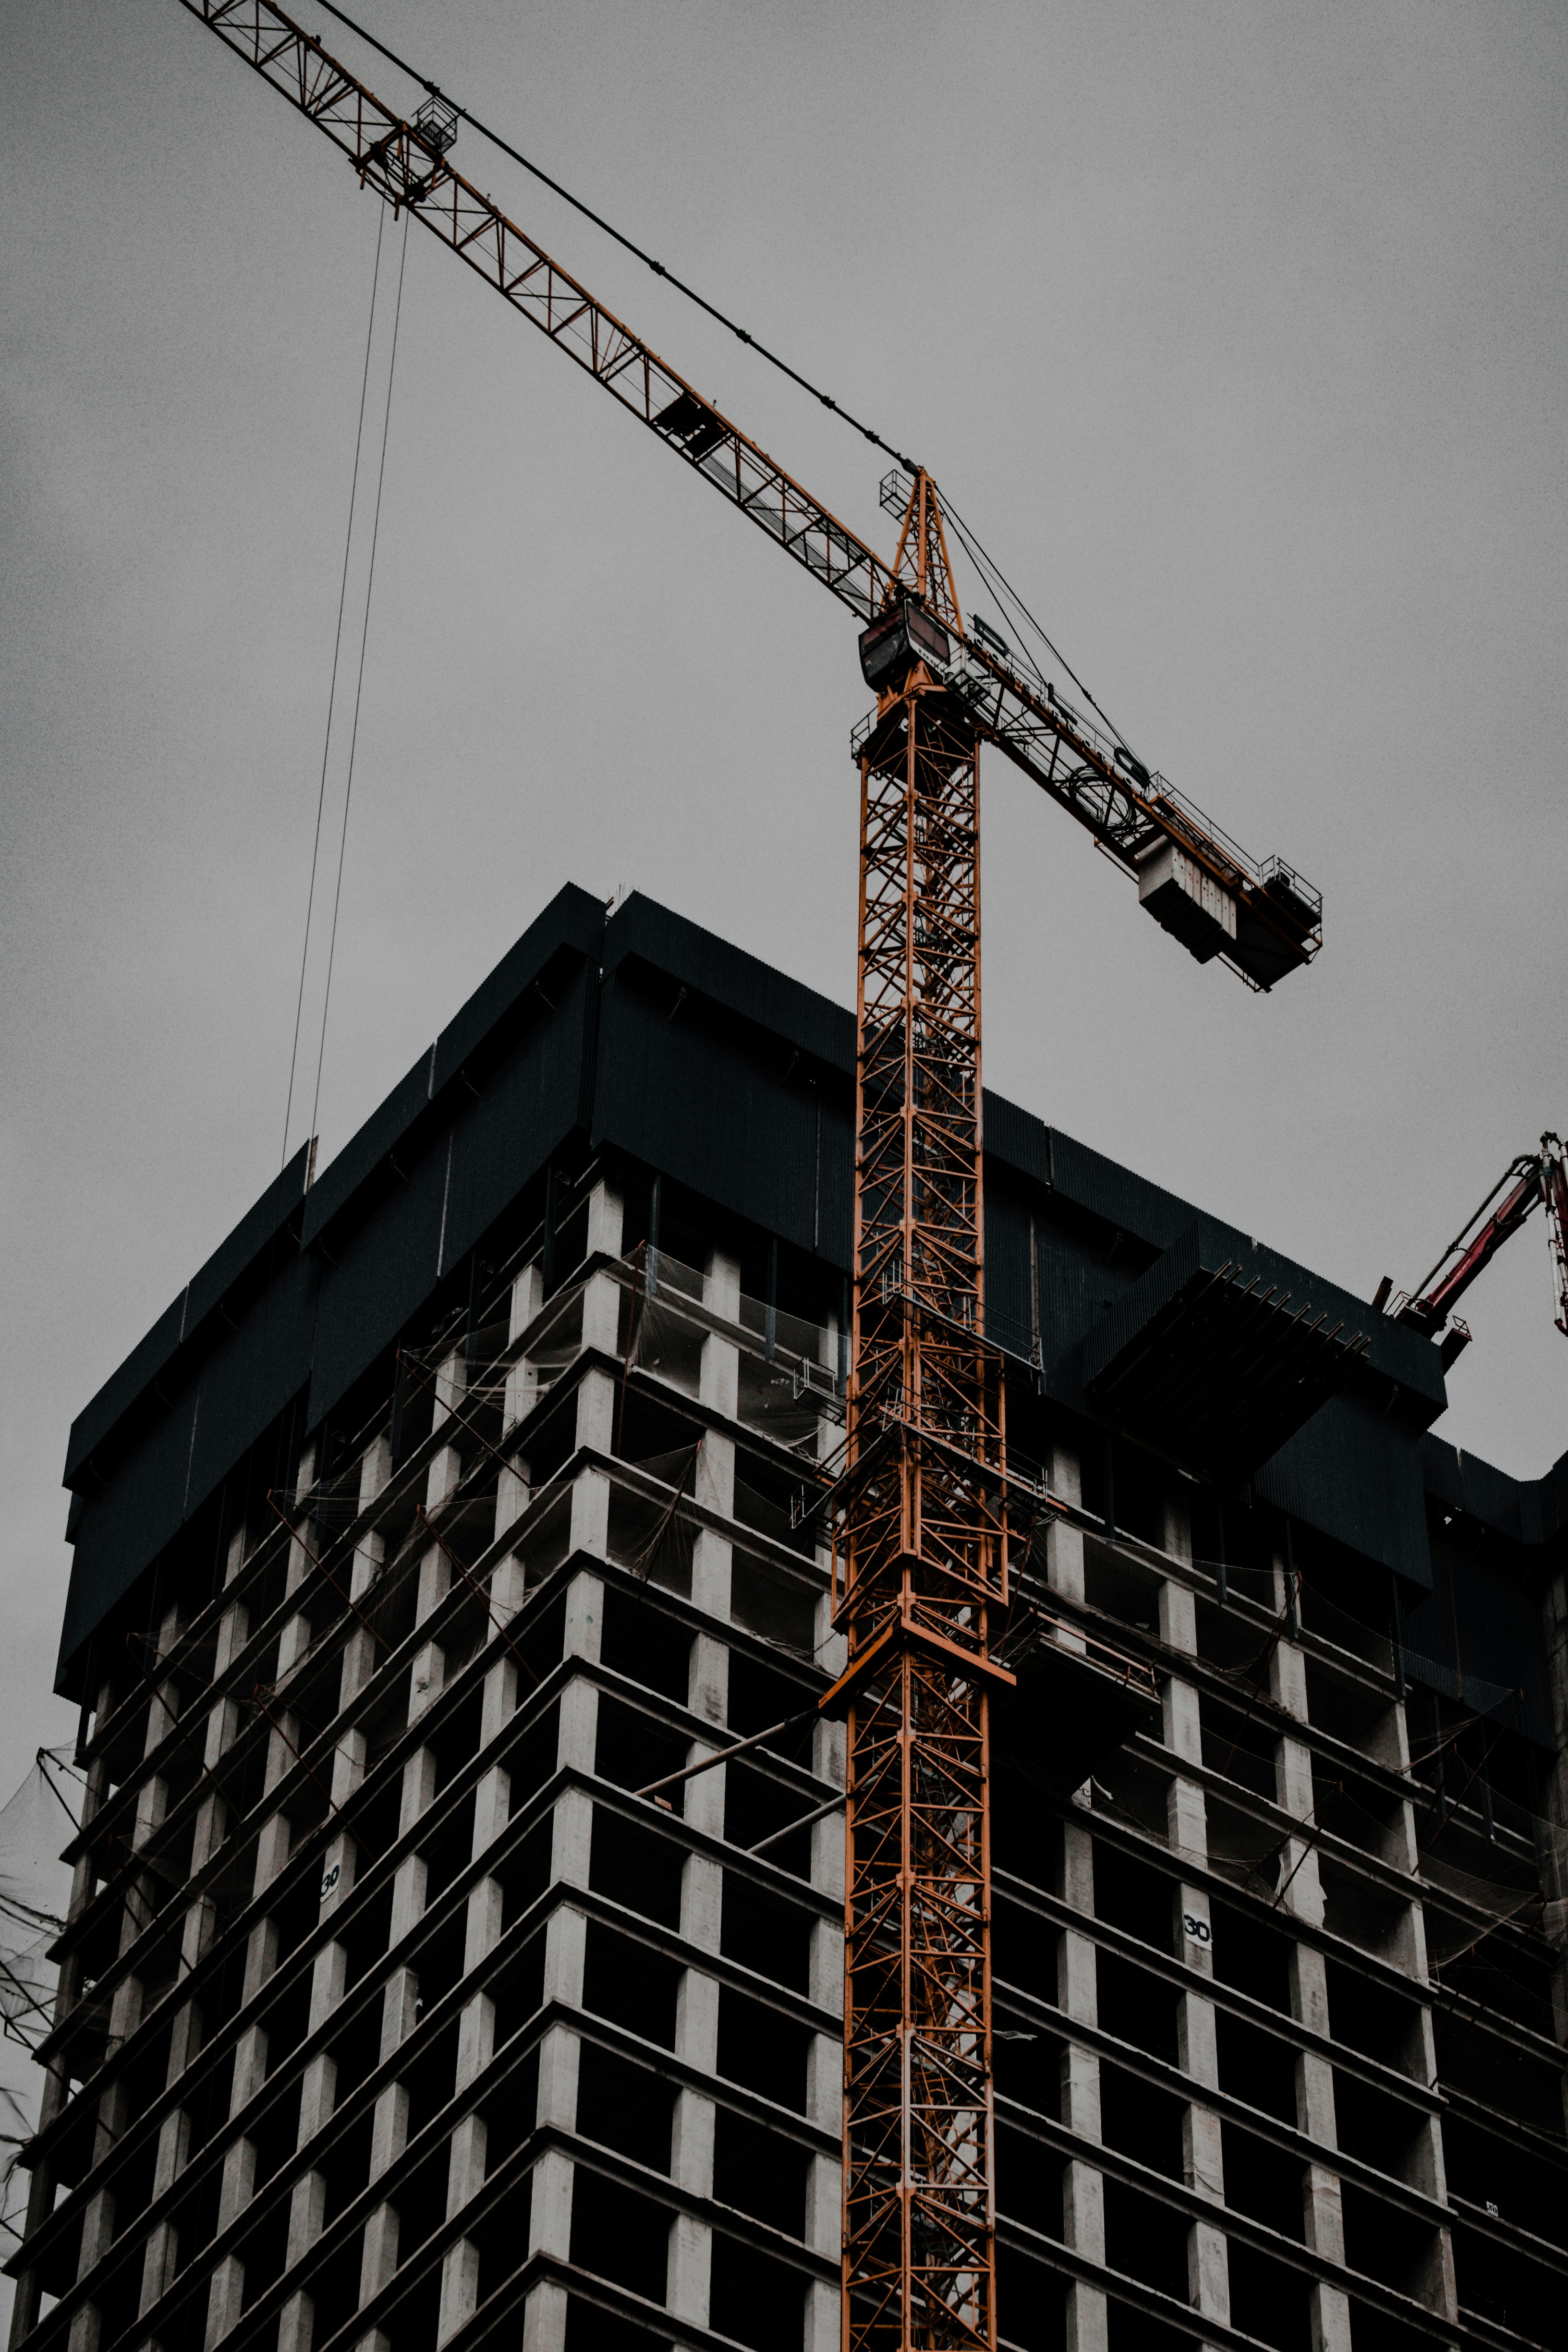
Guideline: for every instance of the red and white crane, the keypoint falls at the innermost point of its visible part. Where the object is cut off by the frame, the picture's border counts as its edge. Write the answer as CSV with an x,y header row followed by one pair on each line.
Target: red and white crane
x,y
1535,1180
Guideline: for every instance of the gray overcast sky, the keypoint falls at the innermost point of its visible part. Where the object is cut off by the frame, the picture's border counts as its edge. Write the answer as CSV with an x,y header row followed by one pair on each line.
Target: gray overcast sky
x,y
1239,332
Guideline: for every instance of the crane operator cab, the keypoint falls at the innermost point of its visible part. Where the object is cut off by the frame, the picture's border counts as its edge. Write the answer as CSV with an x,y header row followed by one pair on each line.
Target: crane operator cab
x,y
892,647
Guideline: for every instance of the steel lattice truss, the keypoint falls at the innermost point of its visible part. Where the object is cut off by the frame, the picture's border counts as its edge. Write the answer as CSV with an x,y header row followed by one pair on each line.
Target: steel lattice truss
x,y
923,1557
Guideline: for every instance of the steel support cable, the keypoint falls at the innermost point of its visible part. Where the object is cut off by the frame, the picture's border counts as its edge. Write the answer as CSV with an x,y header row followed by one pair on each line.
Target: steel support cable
x,y
359,687
1002,587
333,689
657,267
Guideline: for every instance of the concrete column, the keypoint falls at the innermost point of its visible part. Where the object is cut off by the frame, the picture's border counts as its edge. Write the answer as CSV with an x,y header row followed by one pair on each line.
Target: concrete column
x,y
602,1314
604,1221
1423,2165
1203,2155
1083,2187
1302,1896
1063,1542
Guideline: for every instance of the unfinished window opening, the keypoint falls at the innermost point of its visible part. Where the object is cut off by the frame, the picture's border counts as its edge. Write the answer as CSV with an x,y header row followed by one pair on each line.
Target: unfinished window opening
x,y
507,2116
619,2235
756,1805
366,1936
1256,2067
763,2049
1268,2299
636,1866
1029,2180
761,1694
454,1740
762,1932
1146,2238
275,2133
1140,2119
1528,2184
756,2300
1024,1949
624,2106
772,1605
422,2201
644,1643
631,1984
1136,2006
1031,2304
447,1853
760,2172
1130,1895
1506,2286
1376,2129
333,2289
1388,2246
1263,2181
262,2253
632,1748
431,2078
1028,2063
356,2052
589,2328
345,2166
517,1990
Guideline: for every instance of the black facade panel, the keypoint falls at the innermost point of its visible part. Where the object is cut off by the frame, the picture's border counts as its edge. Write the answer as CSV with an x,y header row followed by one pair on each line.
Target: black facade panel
x,y
698,961
126,1527
688,1092
1010,1310
1355,1475
527,1106
252,1374
364,1156
573,921
388,1267
228,1265
1017,1138
1091,1182
1476,1638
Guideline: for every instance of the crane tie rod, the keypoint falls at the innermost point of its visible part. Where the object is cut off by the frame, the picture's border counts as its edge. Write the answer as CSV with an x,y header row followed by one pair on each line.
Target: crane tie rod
x,y
658,268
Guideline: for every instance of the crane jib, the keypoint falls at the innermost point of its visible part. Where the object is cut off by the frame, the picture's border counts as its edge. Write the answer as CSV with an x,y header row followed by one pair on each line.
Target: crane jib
x,y
1276,923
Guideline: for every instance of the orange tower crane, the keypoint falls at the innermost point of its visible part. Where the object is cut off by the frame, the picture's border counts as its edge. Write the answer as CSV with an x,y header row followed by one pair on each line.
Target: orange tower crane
x,y
921,1565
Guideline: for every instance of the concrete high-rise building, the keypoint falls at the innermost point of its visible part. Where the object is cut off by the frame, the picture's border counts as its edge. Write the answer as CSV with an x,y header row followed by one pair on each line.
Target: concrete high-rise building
x,y
470,1492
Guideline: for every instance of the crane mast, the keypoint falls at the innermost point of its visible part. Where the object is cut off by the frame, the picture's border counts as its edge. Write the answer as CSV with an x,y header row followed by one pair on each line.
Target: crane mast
x,y
923,1545
921,1559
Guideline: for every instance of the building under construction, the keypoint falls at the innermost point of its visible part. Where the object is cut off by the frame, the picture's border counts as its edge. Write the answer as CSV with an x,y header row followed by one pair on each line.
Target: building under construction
x,y
419,1991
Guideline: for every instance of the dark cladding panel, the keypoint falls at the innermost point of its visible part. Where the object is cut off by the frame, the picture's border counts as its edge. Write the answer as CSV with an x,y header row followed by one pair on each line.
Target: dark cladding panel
x,y
1009,1313
1476,1639
1019,1139
1355,1475
366,1153
121,1530
527,1106
570,925
1091,1182
495,1127
691,1095
252,1373
233,1258
386,1269
698,960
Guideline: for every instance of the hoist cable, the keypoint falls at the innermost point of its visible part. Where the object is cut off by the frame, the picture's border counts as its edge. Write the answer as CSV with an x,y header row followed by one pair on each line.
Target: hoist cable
x,y
599,221
332,689
359,687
